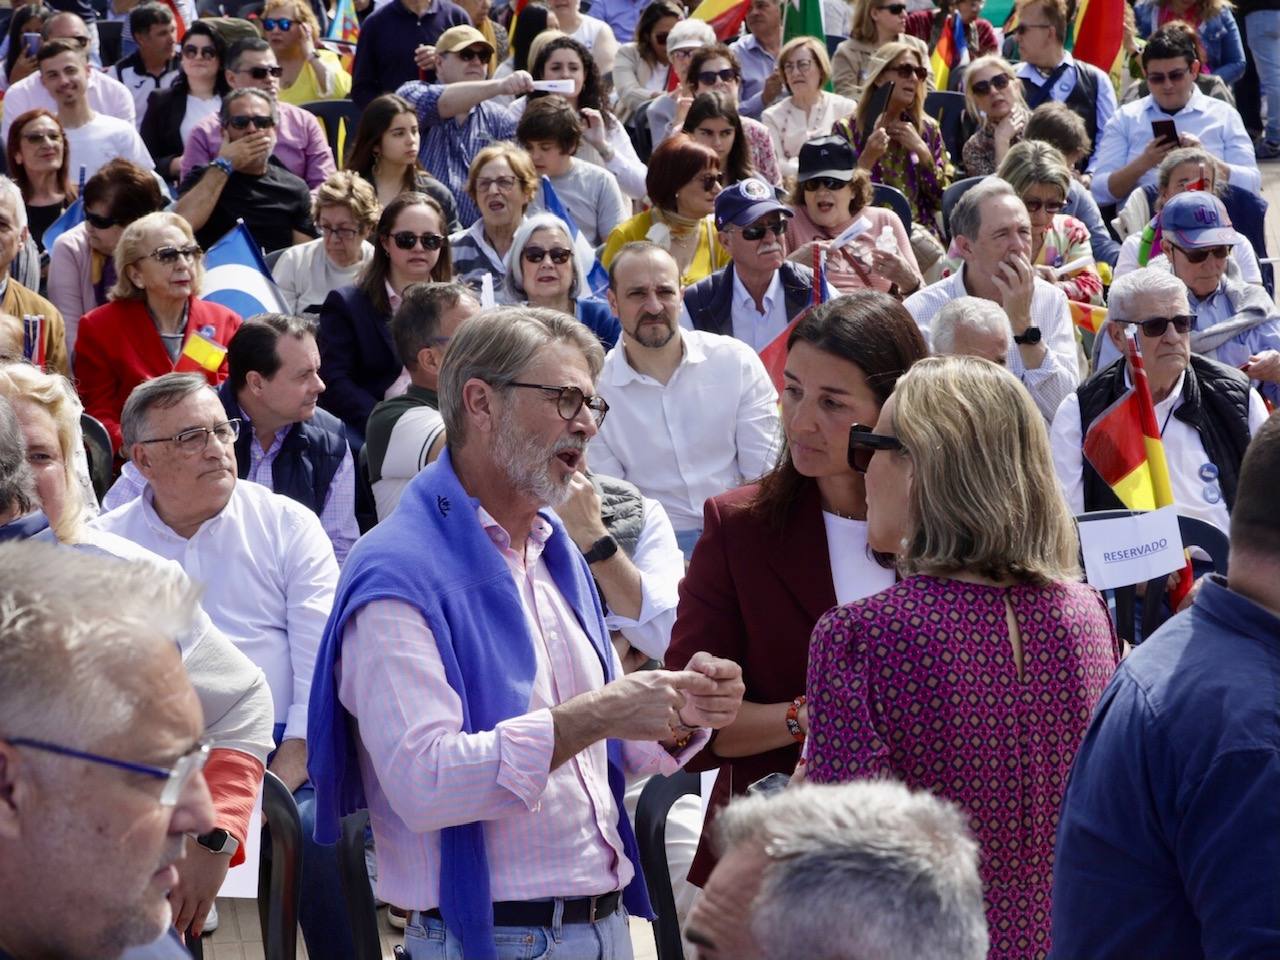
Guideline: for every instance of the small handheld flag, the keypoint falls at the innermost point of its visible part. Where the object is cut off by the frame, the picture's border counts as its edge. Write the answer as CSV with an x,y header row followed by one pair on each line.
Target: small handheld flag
x,y
1086,316
774,355
237,277
200,354
725,16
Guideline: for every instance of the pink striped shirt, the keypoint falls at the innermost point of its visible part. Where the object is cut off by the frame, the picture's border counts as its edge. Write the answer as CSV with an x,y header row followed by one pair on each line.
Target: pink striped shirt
x,y
547,834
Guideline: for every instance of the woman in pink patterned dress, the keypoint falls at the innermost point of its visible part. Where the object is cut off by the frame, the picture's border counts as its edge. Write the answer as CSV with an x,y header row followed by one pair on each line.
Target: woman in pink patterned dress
x,y
974,676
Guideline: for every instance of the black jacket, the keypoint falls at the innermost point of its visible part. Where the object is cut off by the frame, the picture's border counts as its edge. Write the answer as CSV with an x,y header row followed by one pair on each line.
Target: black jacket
x,y
161,126
710,300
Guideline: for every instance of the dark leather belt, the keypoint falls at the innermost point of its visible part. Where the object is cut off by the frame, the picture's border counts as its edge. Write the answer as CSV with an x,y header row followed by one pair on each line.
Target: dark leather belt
x,y
541,913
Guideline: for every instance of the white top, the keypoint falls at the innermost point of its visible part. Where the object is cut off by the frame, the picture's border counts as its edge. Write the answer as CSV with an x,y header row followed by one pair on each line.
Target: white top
x,y
837,18
1183,449
197,109
854,571
104,138
592,197
105,94
1059,374
752,327
268,575
712,427
588,32
412,436
790,128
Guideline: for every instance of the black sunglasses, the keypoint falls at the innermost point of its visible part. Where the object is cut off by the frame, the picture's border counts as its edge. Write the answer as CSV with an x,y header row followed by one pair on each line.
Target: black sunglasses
x,y
708,77
823,183
557,255
757,231
897,9
407,240
999,82
243,123
472,54
1049,206
169,255
261,73
191,51
864,444
1156,326
709,180
905,72
1203,254
99,222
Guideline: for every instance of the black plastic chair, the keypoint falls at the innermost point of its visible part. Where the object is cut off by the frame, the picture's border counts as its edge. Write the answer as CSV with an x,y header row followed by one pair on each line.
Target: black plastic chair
x,y
97,447
279,879
884,195
333,114
1195,533
947,107
110,41
951,196
362,912
656,800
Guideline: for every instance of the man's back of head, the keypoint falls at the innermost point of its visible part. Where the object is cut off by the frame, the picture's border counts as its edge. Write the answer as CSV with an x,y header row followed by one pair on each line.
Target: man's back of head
x,y
424,323
974,327
1255,522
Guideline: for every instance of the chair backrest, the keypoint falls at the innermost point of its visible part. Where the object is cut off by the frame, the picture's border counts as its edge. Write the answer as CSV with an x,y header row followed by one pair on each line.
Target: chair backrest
x,y
362,913
110,40
271,258
1248,213
884,195
339,119
656,800
947,107
951,196
279,890
97,447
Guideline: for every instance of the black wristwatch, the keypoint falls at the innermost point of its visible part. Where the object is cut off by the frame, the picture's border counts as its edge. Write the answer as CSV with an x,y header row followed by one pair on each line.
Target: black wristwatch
x,y
602,549
218,840
1028,338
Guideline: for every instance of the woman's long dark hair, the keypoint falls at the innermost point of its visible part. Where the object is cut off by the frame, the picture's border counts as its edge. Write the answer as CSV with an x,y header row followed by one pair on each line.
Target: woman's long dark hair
x,y
875,333
220,85
373,282
531,22
715,106
649,17
592,94
374,121
19,19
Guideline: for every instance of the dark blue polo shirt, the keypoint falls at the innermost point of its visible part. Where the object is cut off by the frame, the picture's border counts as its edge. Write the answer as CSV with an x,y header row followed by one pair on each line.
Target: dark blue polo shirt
x,y
388,38
1169,841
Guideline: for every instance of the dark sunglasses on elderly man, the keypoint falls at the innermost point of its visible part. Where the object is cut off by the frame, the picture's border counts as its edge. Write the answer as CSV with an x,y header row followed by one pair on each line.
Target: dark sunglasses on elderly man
x,y
864,443
1156,326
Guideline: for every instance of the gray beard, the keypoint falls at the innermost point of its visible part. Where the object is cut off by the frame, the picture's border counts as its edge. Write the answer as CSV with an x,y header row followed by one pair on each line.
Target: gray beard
x,y
527,463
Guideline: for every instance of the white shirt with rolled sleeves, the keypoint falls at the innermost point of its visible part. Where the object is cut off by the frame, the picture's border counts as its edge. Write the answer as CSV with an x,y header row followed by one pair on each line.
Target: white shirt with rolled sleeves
x,y
1193,495
712,427
1058,376
267,572
1215,124
106,95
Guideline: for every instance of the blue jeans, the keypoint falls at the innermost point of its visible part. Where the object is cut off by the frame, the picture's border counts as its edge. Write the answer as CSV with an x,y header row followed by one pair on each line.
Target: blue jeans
x,y
609,939
1263,27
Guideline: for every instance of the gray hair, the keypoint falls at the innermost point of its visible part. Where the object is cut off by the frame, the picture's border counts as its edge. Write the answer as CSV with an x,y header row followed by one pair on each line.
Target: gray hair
x,y
966,216
496,346
693,30
78,629
224,115
858,870
513,290
17,484
167,390
1144,282
19,205
971,313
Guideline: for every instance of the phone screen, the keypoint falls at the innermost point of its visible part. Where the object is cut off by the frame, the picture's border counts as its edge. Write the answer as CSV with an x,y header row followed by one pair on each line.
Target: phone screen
x,y
32,41
879,100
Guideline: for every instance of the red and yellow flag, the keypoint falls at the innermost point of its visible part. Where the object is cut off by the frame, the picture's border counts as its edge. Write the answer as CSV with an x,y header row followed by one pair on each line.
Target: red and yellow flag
x,y
200,354
725,16
1098,33
1086,316
774,355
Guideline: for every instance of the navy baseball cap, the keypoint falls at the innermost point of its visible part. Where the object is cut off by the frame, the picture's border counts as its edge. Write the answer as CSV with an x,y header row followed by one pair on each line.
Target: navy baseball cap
x,y
1196,219
746,202
827,157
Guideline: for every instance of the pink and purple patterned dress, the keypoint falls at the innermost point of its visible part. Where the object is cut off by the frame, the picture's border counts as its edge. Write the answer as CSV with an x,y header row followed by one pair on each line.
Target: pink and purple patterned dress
x,y
919,683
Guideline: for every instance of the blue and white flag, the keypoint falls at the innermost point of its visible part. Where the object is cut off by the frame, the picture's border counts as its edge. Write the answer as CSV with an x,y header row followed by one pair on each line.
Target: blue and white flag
x,y
597,276
70,217
236,276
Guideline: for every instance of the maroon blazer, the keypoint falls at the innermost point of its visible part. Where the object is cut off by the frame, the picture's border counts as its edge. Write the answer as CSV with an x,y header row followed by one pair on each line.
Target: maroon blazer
x,y
753,594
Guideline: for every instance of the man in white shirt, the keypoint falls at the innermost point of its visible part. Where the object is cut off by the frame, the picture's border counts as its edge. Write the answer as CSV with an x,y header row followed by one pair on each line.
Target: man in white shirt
x,y
694,414
992,234
1130,150
106,94
92,138
268,574
1206,411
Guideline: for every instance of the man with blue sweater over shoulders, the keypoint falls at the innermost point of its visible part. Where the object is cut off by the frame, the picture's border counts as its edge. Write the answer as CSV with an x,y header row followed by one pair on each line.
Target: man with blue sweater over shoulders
x,y
467,691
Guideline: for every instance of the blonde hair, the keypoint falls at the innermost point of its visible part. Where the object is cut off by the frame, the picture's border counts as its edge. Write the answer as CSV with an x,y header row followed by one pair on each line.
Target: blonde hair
x,y
984,496
302,13
864,27
1034,161
348,189
883,60
542,39
518,160
820,58
134,246
1005,67
52,392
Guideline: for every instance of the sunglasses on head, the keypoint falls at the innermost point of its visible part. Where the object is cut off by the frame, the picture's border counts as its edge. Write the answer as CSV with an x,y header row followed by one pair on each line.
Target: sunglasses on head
x,y
243,123
1200,256
169,255
99,222
999,82
558,255
407,240
1048,206
472,54
1156,326
708,77
905,72
864,443
823,183
191,51
757,231
1160,79
261,73
277,23
897,9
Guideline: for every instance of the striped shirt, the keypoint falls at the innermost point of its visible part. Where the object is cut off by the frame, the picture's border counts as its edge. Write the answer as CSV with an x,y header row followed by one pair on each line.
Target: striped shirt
x,y
473,257
548,833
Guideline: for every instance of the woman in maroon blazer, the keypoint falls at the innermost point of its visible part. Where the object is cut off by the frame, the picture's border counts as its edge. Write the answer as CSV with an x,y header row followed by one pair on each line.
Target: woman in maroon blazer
x,y
776,555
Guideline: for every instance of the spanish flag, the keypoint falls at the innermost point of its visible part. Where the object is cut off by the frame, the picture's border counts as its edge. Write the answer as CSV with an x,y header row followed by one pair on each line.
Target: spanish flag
x,y
200,354
725,16
951,51
1098,33
1086,316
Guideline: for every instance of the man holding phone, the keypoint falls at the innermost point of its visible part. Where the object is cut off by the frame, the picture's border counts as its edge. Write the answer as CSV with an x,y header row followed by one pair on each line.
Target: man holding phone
x,y
1175,114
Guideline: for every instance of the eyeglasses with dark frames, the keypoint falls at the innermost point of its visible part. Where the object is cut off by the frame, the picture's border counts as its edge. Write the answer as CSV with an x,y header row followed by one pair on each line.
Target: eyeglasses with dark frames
x,y
192,51
1022,28
558,255
905,71
897,9
472,54
707,77
194,441
99,222
1156,326
865,443
407,240
1173,76
709,181
660,39
570,400
265,122
999,82
799,65
342,233
176,777
502,183
168,255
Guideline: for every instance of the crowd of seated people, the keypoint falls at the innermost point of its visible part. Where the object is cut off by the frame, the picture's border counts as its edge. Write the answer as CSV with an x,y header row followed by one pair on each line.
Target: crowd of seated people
x,y
605,392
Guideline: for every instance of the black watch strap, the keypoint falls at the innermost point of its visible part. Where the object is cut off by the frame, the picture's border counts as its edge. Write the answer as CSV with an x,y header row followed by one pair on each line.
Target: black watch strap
x,y
602,549
1029,337
218,840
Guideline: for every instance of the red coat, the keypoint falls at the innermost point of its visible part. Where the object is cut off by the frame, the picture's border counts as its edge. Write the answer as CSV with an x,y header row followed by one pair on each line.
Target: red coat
x,y
753,594
118,347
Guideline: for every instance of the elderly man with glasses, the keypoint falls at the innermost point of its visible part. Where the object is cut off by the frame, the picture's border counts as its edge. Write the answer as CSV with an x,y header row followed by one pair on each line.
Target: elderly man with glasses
x,y
267,573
